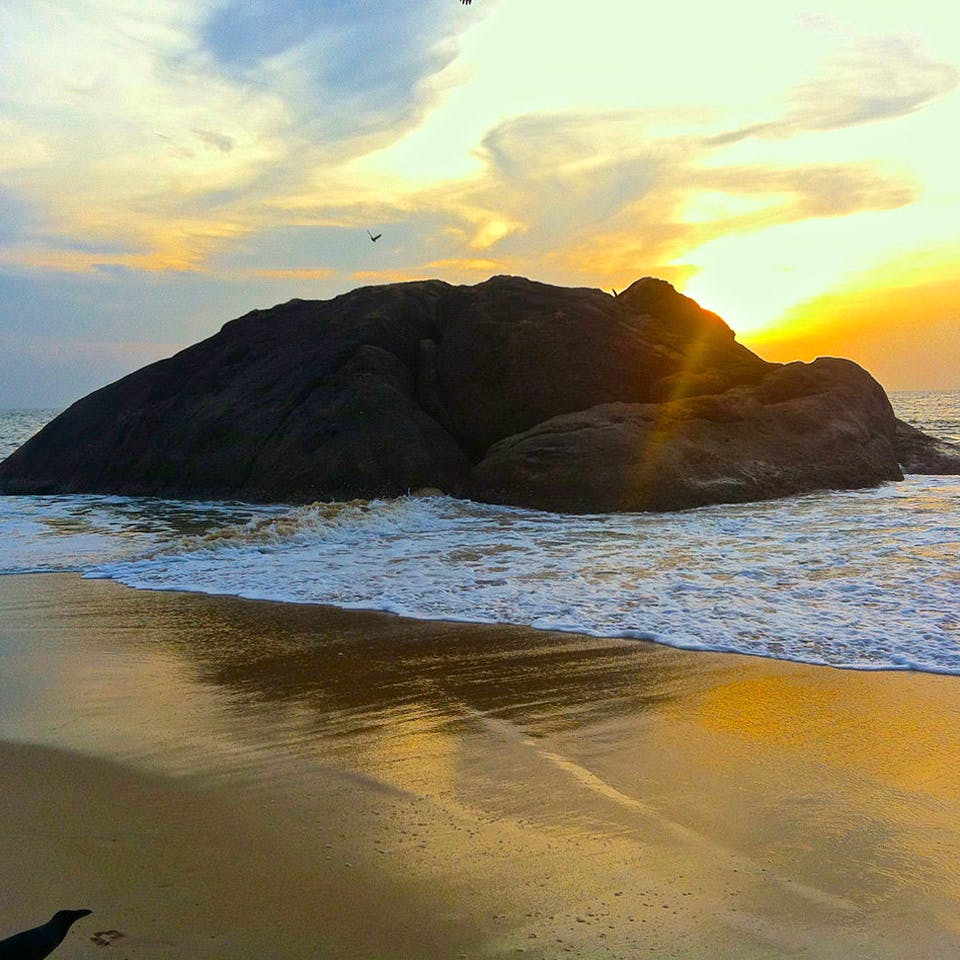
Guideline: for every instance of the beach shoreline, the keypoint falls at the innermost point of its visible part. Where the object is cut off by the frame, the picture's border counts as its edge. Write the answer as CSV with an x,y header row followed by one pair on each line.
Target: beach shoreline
x,y
219,777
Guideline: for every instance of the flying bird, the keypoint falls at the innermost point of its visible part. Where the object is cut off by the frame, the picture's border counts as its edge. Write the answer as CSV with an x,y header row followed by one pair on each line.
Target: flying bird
x,y
41,941
374,238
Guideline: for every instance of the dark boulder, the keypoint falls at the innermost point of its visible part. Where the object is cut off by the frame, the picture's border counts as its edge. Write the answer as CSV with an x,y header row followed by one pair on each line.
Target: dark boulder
x,y
919,453
509,390
826,425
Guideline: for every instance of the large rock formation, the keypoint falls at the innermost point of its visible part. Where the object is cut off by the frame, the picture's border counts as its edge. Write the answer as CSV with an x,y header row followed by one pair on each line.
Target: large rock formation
x,y
804,427
509,391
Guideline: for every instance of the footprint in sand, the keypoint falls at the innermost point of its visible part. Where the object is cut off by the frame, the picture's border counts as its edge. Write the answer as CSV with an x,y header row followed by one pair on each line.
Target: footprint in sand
x,y
104,938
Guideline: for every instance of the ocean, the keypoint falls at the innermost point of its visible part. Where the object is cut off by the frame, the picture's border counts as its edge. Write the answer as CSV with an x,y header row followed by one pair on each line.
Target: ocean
x,y
863,579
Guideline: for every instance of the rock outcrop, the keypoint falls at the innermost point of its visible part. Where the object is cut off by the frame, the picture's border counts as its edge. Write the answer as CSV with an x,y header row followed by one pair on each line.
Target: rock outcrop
x,y
919,453
509,391
804,427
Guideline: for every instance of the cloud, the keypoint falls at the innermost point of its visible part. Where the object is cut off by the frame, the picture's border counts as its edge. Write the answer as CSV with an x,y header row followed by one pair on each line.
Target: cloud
x,y
19,147
200,132
469,270
873,79
178,125
582,197
128,125
563,175
813,190
466,264
349,68
320,273
821,22
877,79
245,34
15,216
222,142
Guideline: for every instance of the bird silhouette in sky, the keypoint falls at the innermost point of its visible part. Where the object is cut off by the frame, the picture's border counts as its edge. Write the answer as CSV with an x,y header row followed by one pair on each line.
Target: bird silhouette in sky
x,y
374,238
41,941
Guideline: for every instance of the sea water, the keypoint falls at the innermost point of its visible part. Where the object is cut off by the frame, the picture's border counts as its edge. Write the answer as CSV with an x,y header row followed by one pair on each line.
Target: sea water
x,y
865,579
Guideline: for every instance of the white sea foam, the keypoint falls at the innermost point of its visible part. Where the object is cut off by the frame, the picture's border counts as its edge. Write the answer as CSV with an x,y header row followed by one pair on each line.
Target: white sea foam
x,y
864,579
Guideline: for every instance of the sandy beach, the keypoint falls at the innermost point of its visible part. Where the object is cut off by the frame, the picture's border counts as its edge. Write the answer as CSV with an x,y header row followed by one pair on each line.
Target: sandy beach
x,y
223,778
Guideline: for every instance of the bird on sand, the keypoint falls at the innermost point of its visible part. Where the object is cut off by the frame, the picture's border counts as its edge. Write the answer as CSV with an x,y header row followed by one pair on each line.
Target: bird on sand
x,y
41,941
374,238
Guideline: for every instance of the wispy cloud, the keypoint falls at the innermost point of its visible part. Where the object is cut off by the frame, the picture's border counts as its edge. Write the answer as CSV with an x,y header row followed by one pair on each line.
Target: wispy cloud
x,y
350,71
876,79
872,79
614,196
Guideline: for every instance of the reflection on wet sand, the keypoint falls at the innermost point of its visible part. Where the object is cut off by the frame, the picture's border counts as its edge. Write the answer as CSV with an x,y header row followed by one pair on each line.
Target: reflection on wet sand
x,y
554,793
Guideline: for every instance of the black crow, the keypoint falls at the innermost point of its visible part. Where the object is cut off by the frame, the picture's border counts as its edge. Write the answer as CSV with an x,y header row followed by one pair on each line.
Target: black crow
x,y
41,941
374,238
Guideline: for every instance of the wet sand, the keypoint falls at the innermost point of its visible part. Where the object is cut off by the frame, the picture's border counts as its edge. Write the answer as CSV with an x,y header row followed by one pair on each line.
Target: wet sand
x,y
223,778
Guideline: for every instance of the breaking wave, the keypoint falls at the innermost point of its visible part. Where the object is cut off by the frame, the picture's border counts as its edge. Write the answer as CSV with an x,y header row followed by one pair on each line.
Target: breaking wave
x,y
865,579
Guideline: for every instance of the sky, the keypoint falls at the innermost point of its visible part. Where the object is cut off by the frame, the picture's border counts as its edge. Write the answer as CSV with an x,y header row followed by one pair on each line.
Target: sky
x,y
167,166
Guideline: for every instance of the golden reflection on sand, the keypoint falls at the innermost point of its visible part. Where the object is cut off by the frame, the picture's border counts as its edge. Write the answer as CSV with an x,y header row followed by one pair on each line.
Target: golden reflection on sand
x,y
851,720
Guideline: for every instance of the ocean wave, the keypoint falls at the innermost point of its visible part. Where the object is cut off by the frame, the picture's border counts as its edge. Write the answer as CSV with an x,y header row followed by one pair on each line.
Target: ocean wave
x,y
68,533
863,579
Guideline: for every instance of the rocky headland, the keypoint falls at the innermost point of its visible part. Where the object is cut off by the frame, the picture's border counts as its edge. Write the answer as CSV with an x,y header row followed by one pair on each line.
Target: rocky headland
x,y
510,391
